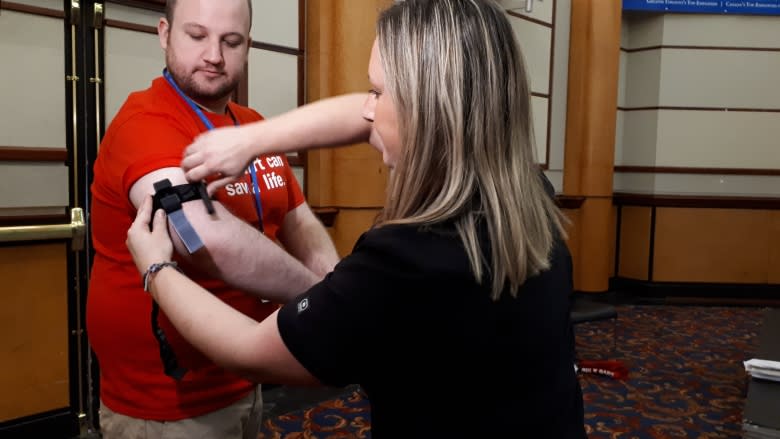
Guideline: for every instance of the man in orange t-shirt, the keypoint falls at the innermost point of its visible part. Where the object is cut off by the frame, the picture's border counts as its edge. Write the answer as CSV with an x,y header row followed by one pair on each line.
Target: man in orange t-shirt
x,y
253,245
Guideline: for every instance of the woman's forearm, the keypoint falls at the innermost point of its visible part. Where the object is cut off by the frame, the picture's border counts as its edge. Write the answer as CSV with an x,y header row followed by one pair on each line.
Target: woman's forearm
x,y
328,122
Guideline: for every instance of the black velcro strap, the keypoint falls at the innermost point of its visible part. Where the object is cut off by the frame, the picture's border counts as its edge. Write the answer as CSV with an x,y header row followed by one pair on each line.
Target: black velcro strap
x,y
181,193
170,363
170,198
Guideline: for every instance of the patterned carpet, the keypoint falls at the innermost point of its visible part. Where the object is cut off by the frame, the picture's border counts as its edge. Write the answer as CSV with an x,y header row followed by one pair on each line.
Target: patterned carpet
x,y
686,379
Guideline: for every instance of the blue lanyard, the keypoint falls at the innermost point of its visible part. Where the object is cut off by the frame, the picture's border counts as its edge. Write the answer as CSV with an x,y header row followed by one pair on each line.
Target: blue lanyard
x,y
210,126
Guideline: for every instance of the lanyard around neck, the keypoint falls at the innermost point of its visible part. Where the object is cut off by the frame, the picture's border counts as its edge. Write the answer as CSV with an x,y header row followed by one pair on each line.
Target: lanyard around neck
x,y
210,126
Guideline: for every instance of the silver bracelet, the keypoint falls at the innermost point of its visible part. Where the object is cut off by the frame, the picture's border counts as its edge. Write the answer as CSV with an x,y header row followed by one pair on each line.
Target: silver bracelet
x,y
154,268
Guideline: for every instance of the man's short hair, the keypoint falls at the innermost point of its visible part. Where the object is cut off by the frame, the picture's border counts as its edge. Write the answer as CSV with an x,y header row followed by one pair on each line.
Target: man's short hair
x,y
170,5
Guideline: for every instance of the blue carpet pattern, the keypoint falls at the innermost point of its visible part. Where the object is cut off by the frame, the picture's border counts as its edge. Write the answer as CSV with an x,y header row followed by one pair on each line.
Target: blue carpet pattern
x,y
686,379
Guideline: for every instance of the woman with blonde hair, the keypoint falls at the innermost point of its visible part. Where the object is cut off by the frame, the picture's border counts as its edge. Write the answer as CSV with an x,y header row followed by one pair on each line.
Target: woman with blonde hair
x,y
452,311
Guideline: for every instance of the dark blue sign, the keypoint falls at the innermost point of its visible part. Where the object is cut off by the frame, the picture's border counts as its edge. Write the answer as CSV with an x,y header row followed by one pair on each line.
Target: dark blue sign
x,y
745,7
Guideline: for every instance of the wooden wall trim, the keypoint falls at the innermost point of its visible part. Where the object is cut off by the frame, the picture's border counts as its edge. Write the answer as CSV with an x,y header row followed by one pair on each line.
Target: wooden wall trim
x,y
696,292
30,154
152,5
295,160
277,48
302,25
696,201
679,47
33,10
531,19
33,220
724,109
550,85
688,170
126,25
327,215
569,201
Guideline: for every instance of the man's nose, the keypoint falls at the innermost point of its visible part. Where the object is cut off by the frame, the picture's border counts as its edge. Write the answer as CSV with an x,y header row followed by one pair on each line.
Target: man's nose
x,y
213,53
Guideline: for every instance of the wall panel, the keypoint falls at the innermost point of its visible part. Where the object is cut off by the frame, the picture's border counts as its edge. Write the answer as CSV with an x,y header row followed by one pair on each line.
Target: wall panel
x,y
359,179
276,22
33,185
642,30
32,98
634,251
349,225
535,42
574,230
133,59
540,10
712,245
697,184
643,78
732,30
712,139
560,78
129,14
716,78
339,36
639,138
273,82
540,120
773,277
33,330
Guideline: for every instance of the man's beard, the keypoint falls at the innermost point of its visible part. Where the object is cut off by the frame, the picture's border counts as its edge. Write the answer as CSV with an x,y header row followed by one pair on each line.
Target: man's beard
x,y
191,88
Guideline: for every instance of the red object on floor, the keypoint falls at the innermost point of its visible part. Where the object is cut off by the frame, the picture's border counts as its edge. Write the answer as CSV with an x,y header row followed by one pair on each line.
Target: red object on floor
x,y
611,368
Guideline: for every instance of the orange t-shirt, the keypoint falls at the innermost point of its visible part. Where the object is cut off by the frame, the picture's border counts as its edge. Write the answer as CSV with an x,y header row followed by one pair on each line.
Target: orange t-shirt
x,y
150,132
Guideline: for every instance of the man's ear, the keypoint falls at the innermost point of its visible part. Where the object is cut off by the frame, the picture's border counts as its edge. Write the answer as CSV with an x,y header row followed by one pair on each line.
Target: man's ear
x,y
163,30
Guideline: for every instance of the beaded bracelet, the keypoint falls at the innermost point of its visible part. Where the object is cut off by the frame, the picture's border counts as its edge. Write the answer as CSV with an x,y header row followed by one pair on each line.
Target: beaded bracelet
x,y
154,268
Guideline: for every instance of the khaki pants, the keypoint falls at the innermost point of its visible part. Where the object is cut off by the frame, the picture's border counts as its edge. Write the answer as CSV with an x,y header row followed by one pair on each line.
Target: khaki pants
x,y
240,420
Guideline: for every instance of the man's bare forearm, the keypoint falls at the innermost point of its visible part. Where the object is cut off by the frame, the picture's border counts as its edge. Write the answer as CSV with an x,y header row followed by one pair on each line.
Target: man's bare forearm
x,y
243,257
304,236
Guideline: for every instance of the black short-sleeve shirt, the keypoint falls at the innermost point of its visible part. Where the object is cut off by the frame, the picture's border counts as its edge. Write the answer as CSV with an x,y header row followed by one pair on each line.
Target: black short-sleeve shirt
x,y
404,317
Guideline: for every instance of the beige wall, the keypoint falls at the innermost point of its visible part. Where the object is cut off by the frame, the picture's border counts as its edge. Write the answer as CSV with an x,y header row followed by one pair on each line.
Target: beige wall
x,y
32,108
276,22
273,75
544,40
129,51
680,76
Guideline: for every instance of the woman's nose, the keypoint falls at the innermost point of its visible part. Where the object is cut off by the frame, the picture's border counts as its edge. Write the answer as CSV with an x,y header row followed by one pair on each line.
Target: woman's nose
x,y
368,107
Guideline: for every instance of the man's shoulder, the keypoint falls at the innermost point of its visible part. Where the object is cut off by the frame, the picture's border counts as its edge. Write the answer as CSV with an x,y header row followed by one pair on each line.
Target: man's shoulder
x,y
156,98
145,106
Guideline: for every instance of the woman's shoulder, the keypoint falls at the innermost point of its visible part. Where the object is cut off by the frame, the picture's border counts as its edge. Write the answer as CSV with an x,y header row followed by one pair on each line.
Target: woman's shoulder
x,y
414,246
401,235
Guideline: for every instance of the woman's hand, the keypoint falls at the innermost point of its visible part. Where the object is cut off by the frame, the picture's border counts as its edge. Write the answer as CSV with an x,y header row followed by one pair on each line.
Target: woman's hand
x,y
149,247
224,152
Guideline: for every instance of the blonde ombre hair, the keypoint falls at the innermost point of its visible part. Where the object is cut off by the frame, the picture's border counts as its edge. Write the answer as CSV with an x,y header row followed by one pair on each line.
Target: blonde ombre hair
x,y
458,80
